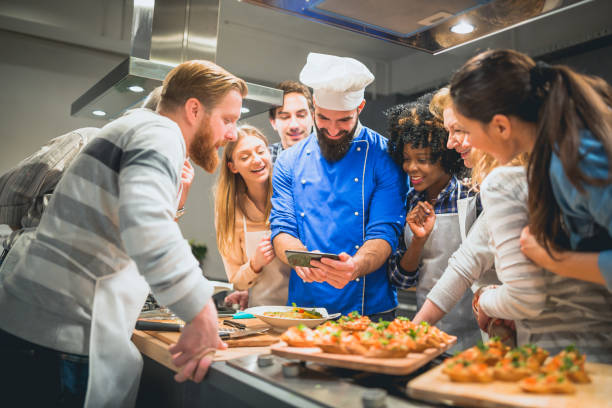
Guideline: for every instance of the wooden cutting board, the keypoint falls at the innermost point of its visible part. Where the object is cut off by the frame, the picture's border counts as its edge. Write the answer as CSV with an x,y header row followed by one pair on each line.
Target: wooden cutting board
x,y
392,366
259,340
437,387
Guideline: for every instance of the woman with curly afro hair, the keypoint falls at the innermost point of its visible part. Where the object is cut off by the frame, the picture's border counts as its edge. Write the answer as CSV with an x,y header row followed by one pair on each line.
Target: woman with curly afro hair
x,y
440,210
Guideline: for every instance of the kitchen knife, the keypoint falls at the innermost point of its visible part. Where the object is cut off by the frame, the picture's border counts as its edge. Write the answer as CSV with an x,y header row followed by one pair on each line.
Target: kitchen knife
x,y
158,326
240,333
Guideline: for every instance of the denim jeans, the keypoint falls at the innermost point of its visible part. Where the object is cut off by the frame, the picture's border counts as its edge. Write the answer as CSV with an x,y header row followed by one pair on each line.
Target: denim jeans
x,y
41,377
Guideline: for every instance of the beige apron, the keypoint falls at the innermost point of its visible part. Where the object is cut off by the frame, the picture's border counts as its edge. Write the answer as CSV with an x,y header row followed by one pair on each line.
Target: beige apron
x,y
272,285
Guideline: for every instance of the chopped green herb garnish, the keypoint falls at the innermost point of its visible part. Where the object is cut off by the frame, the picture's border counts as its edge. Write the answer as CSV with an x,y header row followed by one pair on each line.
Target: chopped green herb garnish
x,y
481,346
570,348
567,363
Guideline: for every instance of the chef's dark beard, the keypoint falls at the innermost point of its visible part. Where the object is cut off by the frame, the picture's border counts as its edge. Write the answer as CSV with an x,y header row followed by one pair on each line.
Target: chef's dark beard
x,y
202,151
334,150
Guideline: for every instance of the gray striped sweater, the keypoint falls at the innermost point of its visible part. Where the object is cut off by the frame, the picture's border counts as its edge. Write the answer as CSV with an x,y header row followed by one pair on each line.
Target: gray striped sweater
x,y
550,310
112,213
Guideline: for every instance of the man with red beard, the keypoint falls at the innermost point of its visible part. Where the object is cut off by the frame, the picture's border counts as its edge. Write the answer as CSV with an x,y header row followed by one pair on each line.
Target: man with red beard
x,y
69,306
339,192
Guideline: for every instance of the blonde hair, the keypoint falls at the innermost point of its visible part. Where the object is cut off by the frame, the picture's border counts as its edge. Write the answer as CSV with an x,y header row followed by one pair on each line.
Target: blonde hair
x,y
228,189
440,101
484,163
200,79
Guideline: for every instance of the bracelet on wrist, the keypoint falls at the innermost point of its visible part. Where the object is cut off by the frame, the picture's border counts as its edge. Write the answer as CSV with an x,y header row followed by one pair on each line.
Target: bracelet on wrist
x,y
180,212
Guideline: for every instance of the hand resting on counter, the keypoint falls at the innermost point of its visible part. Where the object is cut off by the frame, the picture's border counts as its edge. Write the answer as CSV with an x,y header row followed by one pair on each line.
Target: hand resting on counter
x,y
192,354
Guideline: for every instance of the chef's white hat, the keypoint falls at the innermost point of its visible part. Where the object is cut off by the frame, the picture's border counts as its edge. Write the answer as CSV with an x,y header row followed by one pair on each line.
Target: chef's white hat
x,y
338,83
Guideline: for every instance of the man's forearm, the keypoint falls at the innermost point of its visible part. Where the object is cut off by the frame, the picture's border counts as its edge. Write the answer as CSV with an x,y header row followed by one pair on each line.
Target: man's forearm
x,y
283,242
371,256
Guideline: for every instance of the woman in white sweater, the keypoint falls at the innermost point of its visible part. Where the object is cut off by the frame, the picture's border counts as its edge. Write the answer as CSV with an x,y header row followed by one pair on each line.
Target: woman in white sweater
x,y
548,309
242,210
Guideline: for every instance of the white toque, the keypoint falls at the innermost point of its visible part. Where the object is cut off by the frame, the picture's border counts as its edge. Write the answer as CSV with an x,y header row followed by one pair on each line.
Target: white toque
x,y
338,83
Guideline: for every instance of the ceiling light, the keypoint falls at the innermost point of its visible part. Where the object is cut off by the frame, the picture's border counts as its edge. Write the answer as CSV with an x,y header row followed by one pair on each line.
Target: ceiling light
x,y
136,89
462,28
98,113
244,109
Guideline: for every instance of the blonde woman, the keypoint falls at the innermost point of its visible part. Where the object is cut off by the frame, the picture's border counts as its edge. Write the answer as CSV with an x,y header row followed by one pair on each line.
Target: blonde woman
x,y
242,210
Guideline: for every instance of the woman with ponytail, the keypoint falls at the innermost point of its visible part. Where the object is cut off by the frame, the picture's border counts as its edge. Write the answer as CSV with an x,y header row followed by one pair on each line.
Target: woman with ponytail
x,y
510,105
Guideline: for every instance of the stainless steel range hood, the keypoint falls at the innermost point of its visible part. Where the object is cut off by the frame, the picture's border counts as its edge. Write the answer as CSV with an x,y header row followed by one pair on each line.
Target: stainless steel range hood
x,y
164,34
433,26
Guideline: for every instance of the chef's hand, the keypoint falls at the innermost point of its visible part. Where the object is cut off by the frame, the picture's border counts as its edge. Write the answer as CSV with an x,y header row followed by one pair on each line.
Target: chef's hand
x,y
421,219
264,254
533,250
240,298
310,274
338,273
193,352
187,175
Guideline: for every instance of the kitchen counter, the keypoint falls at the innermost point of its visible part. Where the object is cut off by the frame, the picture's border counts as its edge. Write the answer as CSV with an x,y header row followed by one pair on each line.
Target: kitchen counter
x,y
235,379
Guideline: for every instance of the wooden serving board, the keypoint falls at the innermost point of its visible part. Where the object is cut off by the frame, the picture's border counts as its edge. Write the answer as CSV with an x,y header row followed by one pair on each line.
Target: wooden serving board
x,y
158,350
258,340
392,366
435,386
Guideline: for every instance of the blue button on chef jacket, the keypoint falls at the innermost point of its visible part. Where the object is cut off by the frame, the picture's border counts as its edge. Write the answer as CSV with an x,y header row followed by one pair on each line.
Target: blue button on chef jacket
x,y
335,207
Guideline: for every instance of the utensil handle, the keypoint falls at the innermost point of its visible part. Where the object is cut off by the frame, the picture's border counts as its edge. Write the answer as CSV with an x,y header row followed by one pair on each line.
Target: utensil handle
x,y
158,326
231,323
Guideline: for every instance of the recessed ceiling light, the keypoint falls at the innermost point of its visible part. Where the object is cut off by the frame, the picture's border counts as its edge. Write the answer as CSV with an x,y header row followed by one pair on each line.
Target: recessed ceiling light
x,y
144,3
462,28
244,109
98,113
136,88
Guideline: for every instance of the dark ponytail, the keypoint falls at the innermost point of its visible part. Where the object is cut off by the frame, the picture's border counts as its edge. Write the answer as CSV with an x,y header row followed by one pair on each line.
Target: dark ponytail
x,y
560,101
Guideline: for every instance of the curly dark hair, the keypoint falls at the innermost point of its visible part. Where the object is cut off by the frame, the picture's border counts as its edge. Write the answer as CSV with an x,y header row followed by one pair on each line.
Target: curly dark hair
x,y
412,123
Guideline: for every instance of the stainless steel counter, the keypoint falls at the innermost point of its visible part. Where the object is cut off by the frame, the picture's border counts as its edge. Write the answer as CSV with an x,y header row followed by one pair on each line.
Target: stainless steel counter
x,y
241,382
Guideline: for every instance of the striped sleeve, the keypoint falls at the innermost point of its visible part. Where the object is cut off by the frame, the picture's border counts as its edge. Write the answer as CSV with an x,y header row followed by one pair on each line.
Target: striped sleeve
x,y
148,185
37,175
522,294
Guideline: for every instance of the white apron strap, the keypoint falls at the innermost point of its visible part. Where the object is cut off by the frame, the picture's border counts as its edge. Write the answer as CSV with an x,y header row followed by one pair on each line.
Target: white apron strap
x,y
115,363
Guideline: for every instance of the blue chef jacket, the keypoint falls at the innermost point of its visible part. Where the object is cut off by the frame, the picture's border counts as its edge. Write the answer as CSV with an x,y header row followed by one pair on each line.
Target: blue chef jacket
x,y
335,207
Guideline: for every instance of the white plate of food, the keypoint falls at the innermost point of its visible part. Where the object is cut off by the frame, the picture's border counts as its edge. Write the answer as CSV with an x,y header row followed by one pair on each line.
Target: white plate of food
x,y
283,317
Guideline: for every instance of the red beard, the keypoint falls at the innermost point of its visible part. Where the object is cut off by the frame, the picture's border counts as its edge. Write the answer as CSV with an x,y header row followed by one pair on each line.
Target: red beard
x,y
202,151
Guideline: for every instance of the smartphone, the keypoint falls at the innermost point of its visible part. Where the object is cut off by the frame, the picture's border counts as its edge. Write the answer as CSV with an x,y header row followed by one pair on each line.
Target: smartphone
x,y
303,258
